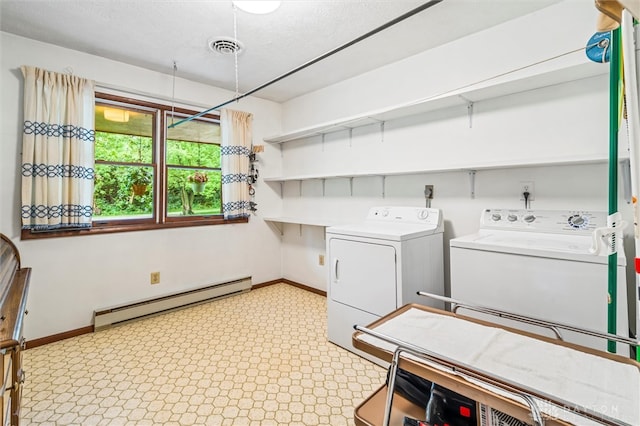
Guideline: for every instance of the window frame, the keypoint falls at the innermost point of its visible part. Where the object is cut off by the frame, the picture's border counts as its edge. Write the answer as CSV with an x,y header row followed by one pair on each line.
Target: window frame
x,y
160,219
166,166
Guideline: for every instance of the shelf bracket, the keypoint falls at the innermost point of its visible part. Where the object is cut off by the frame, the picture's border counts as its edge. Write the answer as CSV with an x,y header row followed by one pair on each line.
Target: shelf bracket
x,y
300,188
281,151
323,186
279,228
384,186
323,142
281,189
469,109
472,183
382,131
350,136
300,229
351,186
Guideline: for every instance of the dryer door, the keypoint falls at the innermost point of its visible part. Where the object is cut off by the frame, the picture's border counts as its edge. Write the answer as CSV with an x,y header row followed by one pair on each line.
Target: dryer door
x,y
363,275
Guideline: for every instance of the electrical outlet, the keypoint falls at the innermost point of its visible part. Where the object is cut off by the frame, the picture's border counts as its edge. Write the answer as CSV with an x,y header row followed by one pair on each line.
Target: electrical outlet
x,y
155,278
321,259
529,187
428,192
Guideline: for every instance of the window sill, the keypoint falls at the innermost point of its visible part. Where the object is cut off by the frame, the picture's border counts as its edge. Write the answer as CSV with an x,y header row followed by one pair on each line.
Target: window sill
x,y
114,228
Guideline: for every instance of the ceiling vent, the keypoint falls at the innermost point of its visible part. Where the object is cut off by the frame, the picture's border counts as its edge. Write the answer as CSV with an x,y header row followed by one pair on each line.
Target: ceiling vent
x,y
225,45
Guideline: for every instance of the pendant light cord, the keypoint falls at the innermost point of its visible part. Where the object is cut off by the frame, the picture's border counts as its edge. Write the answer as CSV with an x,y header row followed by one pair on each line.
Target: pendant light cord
x,y
237,47
173,93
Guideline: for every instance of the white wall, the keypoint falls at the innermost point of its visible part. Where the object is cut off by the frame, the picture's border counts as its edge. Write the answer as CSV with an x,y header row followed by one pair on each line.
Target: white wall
x,y
559,123
74,276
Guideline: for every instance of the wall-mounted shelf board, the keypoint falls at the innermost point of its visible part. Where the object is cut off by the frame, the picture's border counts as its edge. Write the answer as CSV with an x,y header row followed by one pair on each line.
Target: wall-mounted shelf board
x,y
279,221
469,167
302,221
508,83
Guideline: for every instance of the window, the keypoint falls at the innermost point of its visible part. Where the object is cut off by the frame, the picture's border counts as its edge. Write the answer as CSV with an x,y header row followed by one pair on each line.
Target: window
x,y
149,175
124,163
193,168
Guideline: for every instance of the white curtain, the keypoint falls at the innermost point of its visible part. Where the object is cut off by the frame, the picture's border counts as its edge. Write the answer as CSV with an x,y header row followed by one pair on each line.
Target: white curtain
x,y
57,150
234,152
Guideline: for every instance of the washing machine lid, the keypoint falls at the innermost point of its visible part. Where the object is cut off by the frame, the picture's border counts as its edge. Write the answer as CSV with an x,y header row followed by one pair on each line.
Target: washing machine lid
x,y
384,231
554,246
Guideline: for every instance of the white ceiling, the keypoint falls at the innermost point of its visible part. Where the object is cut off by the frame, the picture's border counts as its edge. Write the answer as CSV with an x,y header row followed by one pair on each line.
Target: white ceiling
x,y
155,33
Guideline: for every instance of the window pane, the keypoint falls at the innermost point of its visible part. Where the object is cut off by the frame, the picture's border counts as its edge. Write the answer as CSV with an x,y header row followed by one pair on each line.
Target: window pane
x,y
193,154
187,197
123,148
123,192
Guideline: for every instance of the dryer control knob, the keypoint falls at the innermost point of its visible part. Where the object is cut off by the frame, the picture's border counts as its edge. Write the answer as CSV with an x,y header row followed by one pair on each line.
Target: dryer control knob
x,y
577,221
496,217
423,214
512,218
529,218
384,213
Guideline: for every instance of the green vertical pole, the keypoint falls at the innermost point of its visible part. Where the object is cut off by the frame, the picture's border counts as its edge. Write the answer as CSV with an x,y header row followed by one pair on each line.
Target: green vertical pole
x,y
614,87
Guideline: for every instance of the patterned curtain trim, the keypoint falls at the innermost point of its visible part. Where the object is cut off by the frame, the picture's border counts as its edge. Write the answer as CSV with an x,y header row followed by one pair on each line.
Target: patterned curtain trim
x,y
235,150
59,170
241,207
59,131
54,212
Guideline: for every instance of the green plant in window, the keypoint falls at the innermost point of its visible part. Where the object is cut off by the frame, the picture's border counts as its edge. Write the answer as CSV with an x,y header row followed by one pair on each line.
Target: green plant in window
x,y
197,181
138,178
198,177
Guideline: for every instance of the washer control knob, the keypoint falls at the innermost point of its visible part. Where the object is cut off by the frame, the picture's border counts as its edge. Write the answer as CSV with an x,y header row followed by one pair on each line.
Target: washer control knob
x,y
512,218
577,221
529,218
496,217
423,214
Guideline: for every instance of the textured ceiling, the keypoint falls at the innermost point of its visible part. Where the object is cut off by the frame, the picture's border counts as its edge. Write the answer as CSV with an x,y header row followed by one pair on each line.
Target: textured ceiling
x,y
154,33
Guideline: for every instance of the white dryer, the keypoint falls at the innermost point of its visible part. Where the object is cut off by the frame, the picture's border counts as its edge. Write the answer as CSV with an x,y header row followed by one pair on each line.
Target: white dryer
x,y
540,264
380,264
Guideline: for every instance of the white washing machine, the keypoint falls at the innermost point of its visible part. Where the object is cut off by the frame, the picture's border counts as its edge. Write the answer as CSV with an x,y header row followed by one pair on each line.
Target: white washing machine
x,y
540,264
380,264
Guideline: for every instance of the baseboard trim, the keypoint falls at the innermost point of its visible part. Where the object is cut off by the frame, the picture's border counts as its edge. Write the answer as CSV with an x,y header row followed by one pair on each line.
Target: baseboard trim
x,y
304,287
293,283
29,344
266,284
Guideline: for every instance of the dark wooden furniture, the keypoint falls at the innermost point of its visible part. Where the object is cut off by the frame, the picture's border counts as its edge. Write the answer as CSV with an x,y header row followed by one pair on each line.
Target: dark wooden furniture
x,y
14,286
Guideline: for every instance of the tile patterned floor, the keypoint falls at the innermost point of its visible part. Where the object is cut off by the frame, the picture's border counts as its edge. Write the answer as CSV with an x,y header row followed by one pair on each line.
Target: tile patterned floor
x,y
260,358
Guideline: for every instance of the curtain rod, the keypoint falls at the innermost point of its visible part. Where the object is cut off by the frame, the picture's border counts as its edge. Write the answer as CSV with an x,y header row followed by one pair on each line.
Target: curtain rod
x,y
317,59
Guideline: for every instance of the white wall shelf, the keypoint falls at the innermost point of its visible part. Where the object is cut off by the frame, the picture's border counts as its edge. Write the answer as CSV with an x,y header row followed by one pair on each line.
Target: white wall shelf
x,y
302,221
554,72
527,78
469,167
306,221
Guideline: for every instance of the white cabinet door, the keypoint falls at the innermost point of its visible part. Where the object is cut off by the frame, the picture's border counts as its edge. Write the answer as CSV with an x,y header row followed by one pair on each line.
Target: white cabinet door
x,y
363,275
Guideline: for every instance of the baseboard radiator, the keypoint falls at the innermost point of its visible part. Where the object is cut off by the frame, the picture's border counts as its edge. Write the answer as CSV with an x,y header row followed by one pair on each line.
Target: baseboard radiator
x,y
105,318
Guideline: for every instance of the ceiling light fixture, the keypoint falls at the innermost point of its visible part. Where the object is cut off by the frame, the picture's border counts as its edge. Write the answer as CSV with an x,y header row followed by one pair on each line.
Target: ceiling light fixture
x,y
257,7
117,115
